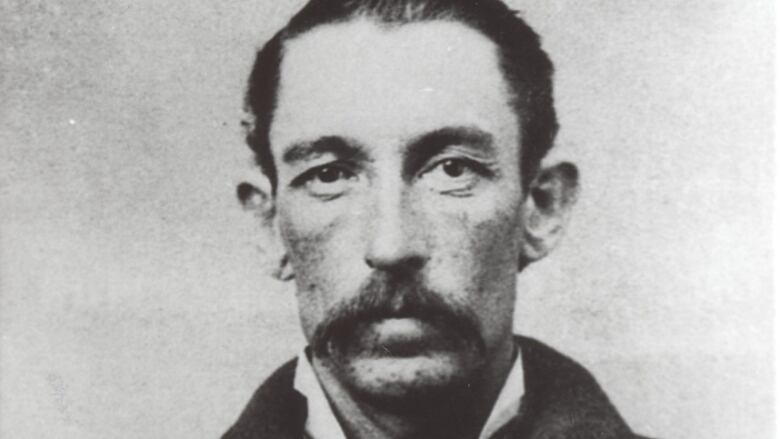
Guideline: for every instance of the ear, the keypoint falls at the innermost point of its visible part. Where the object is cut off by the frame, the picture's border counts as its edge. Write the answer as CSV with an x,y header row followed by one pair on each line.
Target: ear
x,y
546,210
256,196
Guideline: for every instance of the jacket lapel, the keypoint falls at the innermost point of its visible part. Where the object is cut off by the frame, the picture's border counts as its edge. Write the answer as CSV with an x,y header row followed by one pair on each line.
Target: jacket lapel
x,y
562,400
276,410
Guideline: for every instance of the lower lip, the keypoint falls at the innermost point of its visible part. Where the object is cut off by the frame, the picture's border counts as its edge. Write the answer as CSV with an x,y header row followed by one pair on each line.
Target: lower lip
x,y
401,336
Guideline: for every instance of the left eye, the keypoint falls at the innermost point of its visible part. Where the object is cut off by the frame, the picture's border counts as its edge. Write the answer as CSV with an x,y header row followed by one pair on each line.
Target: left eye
x,y
454,168
326,181
329,174
452,176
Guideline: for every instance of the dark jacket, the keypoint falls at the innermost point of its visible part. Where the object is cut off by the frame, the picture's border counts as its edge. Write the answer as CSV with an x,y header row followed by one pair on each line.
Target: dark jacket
x,y
561,401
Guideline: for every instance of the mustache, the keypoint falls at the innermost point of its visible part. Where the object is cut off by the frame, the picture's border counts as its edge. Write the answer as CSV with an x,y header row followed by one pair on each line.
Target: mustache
x,y
385,296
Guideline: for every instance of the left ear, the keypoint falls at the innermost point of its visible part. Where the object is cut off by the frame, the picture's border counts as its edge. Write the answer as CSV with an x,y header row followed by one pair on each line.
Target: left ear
x,y
546,210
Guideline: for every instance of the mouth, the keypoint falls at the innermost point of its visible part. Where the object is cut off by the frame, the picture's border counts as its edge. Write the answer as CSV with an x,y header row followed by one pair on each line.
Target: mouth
x,y
400,337
388,320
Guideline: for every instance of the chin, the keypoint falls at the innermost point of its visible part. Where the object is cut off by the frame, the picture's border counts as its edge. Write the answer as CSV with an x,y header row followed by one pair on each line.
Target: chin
x,y
410,384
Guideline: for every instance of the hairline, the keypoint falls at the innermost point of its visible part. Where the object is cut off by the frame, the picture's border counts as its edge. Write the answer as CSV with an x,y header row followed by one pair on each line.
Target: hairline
x,y
522,105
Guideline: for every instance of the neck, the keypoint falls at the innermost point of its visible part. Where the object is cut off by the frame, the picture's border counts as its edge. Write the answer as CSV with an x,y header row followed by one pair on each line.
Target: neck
x,y
461,416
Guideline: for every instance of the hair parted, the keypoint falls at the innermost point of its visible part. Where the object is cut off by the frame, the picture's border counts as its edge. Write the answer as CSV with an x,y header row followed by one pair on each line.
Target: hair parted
x,y
525,66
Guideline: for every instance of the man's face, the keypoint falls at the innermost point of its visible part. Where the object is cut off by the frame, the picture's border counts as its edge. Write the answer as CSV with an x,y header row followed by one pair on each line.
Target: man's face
x,y
399,201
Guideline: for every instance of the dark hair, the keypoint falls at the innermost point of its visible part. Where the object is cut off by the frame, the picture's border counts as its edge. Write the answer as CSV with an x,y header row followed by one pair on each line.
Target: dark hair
x,y
526,67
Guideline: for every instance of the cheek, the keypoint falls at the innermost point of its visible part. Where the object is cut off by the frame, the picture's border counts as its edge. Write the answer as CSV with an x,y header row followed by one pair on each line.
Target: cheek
x,y
480,262
322,249
493,243
307,230
493,269
303,240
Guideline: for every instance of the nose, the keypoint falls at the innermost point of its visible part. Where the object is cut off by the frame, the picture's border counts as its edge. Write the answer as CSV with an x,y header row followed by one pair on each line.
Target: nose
x,y
396,240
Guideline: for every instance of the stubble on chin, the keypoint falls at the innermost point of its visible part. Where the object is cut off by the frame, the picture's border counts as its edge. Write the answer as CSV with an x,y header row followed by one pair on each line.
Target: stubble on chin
x,y
411,385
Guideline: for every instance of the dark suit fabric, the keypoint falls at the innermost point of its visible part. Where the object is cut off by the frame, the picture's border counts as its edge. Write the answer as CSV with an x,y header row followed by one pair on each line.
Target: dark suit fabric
x,y
561,401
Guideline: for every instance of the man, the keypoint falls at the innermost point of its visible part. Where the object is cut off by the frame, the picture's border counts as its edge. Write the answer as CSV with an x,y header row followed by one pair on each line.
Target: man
x,y
401,146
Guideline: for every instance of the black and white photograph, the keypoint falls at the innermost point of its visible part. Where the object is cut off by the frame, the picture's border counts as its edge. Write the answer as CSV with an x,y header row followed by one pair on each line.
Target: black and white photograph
x,y
391,219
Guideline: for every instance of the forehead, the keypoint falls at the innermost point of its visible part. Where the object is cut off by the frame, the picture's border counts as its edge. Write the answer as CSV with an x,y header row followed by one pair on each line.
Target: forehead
x,y
373,82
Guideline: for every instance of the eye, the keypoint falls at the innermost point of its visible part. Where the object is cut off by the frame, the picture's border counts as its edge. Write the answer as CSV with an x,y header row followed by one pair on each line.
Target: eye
x,y
454,176
329,174
453,168
327,181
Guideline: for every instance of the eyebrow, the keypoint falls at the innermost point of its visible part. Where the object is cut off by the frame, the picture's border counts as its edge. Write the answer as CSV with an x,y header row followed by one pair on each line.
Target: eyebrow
x,y
335,145
422,148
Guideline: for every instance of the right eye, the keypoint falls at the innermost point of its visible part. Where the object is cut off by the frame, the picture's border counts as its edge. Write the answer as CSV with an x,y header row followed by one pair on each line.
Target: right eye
x,y
327,181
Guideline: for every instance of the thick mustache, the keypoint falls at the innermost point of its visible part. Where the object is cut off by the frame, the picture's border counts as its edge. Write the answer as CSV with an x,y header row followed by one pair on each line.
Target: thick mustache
x,y
386,296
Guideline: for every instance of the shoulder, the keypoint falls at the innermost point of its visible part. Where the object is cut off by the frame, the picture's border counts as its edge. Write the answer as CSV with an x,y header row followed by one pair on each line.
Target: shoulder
x,y
552,369
563,398
275,410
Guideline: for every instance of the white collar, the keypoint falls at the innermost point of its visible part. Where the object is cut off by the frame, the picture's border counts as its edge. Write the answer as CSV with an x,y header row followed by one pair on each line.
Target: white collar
x,y
321,422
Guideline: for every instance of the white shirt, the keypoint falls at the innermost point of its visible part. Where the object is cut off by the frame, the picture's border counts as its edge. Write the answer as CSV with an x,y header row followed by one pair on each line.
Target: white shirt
x,y
321,423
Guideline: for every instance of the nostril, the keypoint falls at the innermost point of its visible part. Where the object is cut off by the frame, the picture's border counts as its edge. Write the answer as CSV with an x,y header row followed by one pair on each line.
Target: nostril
x,y
414,263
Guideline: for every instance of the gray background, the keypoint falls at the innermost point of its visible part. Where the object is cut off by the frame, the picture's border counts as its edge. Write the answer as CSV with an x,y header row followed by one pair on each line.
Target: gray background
x,y
134,301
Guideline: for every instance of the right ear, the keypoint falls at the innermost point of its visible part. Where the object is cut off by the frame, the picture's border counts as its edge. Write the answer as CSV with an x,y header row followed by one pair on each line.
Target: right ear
x,y
256,196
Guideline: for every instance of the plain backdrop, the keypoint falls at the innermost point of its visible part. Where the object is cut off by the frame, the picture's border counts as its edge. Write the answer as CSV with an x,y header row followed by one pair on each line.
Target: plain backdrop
x,y
134,301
